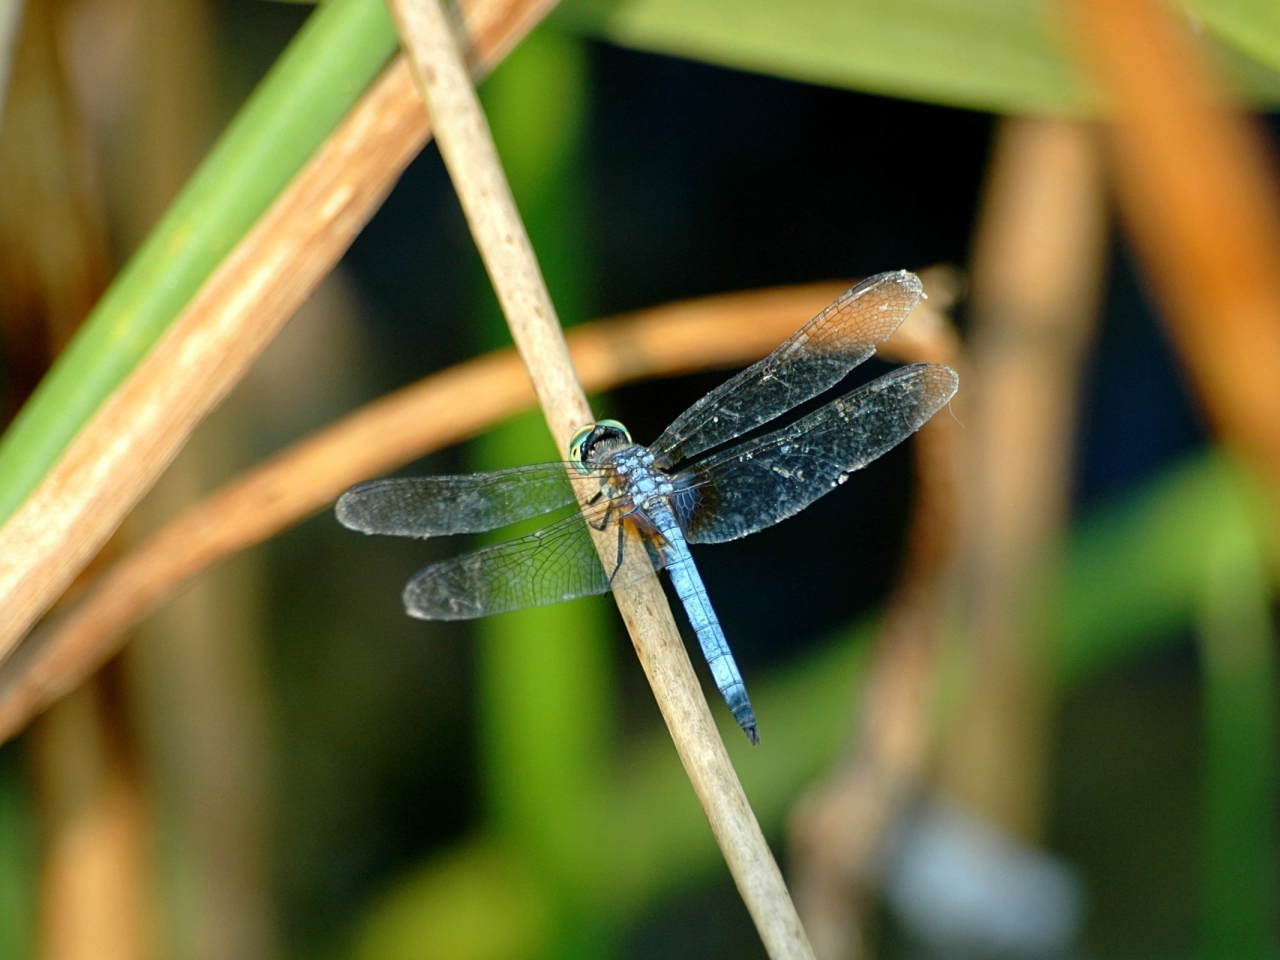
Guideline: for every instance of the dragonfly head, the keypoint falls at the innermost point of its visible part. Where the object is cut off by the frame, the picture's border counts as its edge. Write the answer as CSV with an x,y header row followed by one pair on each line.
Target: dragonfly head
x,y
592,442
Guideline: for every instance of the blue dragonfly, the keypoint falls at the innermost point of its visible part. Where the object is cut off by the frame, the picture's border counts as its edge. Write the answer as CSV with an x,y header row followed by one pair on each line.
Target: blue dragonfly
x,y
681,489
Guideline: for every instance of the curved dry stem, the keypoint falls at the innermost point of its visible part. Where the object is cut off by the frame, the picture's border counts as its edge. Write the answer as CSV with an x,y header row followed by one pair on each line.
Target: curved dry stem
x,y
472,160
723,331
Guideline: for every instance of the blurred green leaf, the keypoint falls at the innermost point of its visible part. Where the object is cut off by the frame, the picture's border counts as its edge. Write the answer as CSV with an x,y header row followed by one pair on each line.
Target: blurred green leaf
x,y
1241,719
545,680
998,55
990,54
474,903
1253,26
18,861
1132,576
325,69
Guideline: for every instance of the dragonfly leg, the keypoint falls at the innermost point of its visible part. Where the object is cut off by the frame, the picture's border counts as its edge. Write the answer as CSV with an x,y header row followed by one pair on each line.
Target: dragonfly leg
x,y
608,511
604,522
618,563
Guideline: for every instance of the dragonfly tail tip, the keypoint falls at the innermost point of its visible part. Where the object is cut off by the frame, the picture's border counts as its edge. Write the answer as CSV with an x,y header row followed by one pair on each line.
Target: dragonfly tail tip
x,y
740,707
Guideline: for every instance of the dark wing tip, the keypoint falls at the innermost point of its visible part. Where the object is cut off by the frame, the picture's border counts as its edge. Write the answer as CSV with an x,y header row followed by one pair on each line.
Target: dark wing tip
x,y
910,284
871,311
345,510
943,382
948,380
433,593
350,510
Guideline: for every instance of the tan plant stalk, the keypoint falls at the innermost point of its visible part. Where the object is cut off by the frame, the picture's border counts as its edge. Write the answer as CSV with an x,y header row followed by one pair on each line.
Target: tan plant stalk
x,y
467,147
450,406
1034,302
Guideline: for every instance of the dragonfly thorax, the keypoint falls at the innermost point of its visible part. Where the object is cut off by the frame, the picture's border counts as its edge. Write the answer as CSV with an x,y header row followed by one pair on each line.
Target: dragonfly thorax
x,y
637,475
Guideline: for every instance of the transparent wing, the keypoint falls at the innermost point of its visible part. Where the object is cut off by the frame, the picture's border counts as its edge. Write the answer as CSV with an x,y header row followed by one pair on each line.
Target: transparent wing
x,y
554,564
813,360
758,483
472,503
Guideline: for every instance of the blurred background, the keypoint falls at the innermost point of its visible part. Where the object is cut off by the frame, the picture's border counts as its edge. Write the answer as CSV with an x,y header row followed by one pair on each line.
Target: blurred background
x,y
1016,681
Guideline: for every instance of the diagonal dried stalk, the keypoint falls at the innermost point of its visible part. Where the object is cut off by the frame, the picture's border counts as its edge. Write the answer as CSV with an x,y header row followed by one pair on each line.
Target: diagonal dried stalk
x,y
138,430
722,331
468,151
1195,180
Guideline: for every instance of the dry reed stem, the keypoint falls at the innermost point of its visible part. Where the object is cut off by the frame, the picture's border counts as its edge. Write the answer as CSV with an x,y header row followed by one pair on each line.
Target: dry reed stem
x,y
96,833
467,147
1035,300
728,330
1196,183
840,827
54,251
138,430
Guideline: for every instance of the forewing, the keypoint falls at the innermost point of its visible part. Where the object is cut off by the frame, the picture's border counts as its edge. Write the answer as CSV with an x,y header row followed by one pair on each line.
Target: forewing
x,y
471,503
813,360
554,564
758,483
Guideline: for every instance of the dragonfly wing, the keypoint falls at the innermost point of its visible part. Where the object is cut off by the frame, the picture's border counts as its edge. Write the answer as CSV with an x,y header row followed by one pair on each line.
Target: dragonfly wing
x,y
557,563
472,503
814,359
763,481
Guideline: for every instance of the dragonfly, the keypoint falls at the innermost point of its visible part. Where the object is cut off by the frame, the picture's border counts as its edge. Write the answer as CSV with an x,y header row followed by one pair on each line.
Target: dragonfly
x,y
690,486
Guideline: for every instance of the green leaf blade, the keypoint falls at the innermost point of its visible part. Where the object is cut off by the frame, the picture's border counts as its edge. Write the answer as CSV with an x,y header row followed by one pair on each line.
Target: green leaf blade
x,y
1005,56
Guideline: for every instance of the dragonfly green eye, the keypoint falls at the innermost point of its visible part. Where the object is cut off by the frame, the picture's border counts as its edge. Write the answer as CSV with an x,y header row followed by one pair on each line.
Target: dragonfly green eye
x,y
575,447
586,439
